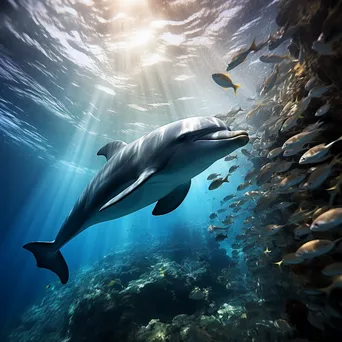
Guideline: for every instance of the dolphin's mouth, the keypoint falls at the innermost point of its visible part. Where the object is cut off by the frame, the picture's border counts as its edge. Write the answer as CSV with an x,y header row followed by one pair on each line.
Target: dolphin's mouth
x,y
225,135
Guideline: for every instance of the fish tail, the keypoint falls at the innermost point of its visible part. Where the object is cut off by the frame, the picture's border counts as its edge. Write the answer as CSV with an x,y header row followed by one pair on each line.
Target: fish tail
x,y
279,263
236,87
225,179
48,257
253,46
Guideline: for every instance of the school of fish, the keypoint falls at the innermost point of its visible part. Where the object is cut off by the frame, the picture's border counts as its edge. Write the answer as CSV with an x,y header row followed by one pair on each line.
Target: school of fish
x,y
290,201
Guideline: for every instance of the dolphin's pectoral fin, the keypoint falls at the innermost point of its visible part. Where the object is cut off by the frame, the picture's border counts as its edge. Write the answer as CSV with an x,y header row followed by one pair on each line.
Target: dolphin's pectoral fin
x,y
140,181
111,148
172,200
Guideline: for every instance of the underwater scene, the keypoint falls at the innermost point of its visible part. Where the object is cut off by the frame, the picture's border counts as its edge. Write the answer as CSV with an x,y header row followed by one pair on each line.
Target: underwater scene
x,y
171,170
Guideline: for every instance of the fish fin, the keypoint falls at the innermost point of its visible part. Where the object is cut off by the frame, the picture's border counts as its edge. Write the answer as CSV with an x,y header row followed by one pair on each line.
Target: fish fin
x,y
139,182
332,188
225,179
47,257
253,46
172,200
236,87
111,148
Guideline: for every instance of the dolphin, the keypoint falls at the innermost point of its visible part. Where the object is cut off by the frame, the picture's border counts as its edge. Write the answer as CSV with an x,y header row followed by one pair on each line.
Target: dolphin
x,y
157,167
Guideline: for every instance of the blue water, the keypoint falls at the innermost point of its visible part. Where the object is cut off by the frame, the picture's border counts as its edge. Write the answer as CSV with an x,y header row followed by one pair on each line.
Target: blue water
x,y
60,102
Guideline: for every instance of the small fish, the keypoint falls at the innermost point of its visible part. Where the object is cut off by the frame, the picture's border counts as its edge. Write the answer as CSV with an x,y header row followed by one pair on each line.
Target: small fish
x,y
314,248
320,211
253,193
221,210
273,58
244,186
275,153
324,47
270,81
265,174
295,114
333,269
213,176
254,111
224,81
228,198
236,111
301,139
273,229
318,91
218,182
213,216
227,221
221,237
251,175
213,228
287,107
233,168
320,175
230,158
300,215
310,83
291,180
241,56
328,220
323,110
290,259
246,152
294,151
289,123
233,205
302,230
283,166
317,153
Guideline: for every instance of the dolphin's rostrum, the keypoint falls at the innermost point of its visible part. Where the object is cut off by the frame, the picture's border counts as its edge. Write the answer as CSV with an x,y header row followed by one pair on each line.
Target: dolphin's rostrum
x,y
157,167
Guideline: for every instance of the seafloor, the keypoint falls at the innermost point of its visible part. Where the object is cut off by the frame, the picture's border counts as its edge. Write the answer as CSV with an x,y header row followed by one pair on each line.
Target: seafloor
x,y
174,292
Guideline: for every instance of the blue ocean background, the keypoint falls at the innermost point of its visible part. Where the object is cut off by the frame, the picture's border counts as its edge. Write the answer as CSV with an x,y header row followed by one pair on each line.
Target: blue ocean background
x,y
61,102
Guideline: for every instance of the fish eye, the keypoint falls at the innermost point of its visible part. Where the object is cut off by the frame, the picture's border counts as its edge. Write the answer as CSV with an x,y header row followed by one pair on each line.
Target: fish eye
x,y
228,128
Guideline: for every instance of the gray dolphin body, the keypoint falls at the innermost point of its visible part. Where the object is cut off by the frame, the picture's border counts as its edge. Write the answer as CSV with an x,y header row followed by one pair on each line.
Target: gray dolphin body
x,y
157,167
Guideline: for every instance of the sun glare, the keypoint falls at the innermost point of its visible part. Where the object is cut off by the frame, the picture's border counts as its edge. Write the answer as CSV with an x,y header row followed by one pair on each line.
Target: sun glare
x,y
131,3
142,37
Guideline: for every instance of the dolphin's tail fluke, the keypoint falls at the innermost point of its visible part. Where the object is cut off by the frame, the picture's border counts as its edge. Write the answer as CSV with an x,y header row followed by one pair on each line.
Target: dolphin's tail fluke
x,y
47,257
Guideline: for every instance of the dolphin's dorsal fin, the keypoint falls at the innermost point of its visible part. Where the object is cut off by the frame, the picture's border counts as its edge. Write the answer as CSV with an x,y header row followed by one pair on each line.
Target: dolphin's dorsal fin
x,y
111,148
139,182
172,200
